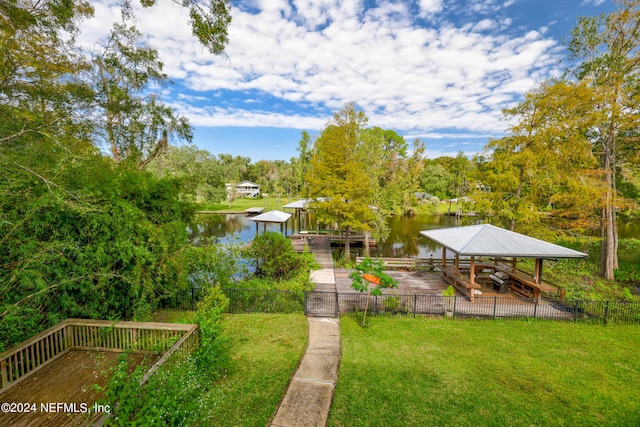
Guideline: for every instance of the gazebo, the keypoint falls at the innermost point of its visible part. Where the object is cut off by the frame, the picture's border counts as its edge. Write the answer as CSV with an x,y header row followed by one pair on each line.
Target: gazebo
x,y
274,217
486,240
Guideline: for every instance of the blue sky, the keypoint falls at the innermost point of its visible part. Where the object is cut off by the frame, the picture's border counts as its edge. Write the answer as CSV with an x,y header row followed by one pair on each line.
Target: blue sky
x,y
438,70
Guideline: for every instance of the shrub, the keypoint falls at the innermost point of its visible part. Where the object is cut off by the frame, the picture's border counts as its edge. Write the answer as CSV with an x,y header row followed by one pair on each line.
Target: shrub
x,y
177,393
274,257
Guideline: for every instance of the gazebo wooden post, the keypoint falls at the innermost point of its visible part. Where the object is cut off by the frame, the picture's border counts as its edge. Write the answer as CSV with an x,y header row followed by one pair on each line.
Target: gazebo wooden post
x,y
457,263
472,278
257,228
444,256
538,272
472,274
514,264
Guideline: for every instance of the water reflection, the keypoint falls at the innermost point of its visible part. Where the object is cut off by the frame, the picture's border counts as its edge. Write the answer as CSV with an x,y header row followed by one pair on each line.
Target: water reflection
x,y
404,238
227,228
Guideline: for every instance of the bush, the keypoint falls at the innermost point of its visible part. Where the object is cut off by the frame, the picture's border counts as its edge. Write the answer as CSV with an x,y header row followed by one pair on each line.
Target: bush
x,y
104,242
274,257
177,393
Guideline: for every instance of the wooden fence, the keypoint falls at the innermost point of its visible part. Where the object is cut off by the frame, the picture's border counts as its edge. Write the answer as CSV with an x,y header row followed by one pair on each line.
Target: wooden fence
x,y
96,335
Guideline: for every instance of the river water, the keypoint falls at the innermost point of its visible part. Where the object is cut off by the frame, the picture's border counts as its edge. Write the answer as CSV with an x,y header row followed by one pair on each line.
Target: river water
x,y
404,238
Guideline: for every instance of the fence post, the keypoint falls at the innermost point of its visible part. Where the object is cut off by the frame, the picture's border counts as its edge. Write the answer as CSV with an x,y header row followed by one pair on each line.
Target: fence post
x,y
606,312
337,305
306,299
415,303
266,296
495,303
5,378
535,307
455,300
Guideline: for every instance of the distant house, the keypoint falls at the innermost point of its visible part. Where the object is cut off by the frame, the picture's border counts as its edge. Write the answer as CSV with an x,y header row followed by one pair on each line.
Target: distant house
x,y
243,189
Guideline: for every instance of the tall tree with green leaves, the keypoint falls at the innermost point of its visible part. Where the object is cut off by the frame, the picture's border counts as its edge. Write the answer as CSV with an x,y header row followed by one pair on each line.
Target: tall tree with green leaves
x,y
608,50
338,179
545,164
301,163
41,96
384,152
209,20
135,124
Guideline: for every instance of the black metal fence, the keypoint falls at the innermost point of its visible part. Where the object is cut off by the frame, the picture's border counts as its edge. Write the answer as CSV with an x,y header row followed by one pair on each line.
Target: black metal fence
x,y
333,304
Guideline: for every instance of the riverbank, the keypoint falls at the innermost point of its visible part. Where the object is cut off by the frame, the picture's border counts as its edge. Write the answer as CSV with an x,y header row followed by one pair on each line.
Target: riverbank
x,y
239,206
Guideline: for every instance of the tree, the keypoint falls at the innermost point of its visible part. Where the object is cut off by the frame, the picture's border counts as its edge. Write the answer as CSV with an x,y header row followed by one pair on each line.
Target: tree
x,y
209,20
83,238
368,272
136,125
608,48
79,236
337,177
545,164
384,152
41,96
409,174
198,170
301,164
435,179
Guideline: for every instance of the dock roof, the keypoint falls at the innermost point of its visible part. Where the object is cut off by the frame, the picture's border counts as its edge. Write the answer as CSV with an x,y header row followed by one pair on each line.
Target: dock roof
x,y
272,216
298,204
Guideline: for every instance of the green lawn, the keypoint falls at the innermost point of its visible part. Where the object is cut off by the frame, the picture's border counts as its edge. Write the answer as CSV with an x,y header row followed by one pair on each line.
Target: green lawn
x,y
265,351
240,205
423,372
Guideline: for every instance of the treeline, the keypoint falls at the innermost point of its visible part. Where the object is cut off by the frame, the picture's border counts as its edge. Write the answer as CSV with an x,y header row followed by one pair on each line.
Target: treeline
x,y
203,175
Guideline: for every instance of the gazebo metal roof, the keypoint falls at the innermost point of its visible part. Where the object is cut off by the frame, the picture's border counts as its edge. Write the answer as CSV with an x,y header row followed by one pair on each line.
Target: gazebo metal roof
x,y
489,240
278,217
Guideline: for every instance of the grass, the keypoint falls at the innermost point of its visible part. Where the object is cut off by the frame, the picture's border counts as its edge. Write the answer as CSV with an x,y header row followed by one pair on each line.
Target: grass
x,y
416,372
240,205
265,351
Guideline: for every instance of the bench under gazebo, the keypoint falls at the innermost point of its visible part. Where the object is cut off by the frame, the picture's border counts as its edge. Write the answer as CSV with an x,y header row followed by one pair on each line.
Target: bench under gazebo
x,y
494,243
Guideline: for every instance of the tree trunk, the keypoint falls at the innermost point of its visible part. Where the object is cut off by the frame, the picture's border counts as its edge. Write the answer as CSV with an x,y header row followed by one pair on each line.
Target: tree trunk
x,y
367,250
347,248
512,223
608,254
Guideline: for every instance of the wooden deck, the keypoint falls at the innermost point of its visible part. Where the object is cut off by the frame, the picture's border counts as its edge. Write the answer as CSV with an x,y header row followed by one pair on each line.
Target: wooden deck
x,y
49,378
70,380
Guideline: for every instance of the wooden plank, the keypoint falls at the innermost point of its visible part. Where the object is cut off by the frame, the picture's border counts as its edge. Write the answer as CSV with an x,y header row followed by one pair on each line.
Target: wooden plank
x,y
26,358
68,379
527,280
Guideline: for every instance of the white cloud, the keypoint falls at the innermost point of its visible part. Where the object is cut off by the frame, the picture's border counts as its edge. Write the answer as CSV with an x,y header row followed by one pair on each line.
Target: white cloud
x,y
323,53
592,2
430,7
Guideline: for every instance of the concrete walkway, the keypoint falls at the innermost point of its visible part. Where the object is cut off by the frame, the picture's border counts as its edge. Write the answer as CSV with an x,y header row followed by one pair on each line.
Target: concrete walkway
x,y
310,393
309,396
